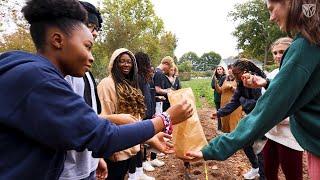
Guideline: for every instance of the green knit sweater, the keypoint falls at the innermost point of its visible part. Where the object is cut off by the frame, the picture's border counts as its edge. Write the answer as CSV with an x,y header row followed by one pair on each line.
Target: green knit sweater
x,y
294,92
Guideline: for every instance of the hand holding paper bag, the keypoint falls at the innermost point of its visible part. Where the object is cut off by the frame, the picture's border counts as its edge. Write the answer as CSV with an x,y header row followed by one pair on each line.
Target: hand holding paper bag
x,y
188,135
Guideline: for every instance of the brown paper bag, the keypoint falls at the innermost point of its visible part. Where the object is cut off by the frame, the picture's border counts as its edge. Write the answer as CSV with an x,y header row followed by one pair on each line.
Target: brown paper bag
x,y
188,135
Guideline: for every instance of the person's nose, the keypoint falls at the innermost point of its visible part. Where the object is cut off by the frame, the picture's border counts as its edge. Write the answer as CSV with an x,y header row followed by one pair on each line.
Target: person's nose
x,y
91,58
94,34
272,17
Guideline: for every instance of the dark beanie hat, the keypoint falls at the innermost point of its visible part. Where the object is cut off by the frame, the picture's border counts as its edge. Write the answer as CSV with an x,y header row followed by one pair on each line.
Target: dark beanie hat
x,y
94,15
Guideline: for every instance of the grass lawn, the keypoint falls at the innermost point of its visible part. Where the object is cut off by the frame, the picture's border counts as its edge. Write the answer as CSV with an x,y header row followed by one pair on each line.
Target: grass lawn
x,y
200,88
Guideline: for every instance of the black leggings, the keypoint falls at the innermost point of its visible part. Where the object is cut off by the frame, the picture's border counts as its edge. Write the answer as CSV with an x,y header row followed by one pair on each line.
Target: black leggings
x,y
219,119
255,160
118,170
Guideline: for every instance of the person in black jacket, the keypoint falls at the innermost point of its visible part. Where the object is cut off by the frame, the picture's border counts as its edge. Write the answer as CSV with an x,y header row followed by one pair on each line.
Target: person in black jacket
x,y
145,81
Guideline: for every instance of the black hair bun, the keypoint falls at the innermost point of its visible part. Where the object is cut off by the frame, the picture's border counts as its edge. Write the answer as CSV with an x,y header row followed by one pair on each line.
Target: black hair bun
x,y
50,10
91,9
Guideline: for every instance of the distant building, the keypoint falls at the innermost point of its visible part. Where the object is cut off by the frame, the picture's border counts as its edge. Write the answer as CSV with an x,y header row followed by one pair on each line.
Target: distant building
x,y
225,62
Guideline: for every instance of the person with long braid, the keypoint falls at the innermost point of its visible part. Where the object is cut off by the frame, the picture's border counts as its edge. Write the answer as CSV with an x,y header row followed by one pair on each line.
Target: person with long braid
x,y
247,98
120,94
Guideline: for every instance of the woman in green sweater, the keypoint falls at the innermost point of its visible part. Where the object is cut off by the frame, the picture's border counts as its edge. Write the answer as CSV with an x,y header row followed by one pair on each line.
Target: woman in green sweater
x,y
294,92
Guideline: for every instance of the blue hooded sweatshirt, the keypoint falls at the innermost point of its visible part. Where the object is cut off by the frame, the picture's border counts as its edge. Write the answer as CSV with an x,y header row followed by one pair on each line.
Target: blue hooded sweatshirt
x,y
41,118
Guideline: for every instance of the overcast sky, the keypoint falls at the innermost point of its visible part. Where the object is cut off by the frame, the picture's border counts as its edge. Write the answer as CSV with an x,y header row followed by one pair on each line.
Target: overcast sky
x,y
200,25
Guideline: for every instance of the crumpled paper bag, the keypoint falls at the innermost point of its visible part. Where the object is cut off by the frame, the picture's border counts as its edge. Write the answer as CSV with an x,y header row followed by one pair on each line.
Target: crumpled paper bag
x,y
188,135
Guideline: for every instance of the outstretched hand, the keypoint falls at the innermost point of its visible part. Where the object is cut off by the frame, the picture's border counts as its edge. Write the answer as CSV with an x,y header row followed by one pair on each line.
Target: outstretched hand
x,y
194,156
161,142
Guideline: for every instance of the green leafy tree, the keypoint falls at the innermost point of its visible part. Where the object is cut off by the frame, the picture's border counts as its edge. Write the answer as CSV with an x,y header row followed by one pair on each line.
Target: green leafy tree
x,y
189,56
18,36
19,40
255,32
133,24
207,60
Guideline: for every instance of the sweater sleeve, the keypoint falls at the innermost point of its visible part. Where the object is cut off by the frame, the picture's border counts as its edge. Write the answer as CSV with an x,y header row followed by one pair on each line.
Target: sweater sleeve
x,y
53,115
277,103
231,106
248,104
106,93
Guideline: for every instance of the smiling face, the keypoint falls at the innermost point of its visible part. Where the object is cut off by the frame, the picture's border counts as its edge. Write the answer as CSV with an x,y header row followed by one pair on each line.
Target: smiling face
x,y
279,13
125,64
74,56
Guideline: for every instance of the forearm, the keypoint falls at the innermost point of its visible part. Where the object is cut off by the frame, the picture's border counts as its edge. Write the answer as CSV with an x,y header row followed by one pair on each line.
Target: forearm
x,y
117,119
161,91
117,138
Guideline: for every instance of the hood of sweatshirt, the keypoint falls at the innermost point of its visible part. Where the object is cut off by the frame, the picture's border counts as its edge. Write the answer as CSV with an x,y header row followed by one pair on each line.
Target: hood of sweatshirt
x,y
114,56
14,59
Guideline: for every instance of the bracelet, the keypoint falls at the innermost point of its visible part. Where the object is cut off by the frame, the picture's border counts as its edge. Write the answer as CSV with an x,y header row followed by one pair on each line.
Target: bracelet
x,y
166,122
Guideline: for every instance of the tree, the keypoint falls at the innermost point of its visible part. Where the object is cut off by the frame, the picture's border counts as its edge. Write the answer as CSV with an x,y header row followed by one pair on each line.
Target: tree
x,y
209,59
134,25
189,56
255,33
18,36
19,40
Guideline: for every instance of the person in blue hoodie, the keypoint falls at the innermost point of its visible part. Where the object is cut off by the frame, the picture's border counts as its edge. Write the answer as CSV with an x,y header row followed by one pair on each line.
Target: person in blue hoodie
x,y
41,117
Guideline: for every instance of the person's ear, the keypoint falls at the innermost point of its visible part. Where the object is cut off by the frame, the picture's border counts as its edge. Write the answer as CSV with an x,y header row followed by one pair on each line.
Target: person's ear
x,y
57,40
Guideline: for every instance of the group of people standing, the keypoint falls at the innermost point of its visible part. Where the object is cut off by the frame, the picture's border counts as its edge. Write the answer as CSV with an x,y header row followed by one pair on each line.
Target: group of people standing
x,y
65,126
126,96
291,98
50,127
280,148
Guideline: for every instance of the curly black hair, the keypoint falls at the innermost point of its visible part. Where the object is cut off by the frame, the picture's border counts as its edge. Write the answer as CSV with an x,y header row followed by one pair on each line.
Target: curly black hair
x,y
144,66
42,14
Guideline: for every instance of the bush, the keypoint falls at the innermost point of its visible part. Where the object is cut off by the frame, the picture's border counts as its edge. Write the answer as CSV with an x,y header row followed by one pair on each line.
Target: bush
x,y
185,66
196,74
185,76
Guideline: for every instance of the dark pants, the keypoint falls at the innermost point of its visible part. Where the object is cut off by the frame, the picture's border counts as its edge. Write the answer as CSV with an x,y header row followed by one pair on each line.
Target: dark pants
x,y
118,170
139,159
219,119
152,156
255,160
290,160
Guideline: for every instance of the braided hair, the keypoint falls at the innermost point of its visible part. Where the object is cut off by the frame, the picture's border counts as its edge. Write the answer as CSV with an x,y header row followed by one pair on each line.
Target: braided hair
x,y
130,98
246,66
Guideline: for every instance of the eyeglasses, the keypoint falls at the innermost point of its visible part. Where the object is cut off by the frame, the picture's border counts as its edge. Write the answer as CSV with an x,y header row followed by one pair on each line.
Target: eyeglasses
x,y
92,27
125,62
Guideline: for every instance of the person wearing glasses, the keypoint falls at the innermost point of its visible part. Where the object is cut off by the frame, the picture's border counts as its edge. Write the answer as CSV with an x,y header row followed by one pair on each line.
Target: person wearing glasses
x,y
81,165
